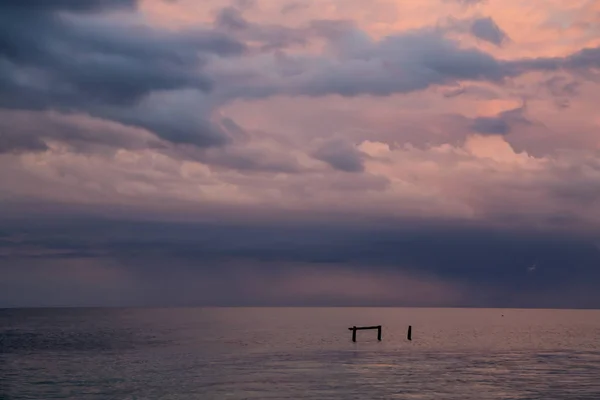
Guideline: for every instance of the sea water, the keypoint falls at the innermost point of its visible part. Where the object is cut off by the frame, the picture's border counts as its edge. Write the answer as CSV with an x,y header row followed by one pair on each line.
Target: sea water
x,y
298,353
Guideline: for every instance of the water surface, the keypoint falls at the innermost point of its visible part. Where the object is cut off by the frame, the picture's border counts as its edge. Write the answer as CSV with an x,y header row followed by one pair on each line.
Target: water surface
x,y
292,353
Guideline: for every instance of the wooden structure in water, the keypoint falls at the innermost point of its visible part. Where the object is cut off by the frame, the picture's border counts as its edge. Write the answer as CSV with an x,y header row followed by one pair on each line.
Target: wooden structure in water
x,y
362,328
378,327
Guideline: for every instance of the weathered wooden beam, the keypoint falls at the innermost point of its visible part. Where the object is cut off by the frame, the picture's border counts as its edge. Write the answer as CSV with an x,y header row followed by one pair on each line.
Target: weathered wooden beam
x,y
362,328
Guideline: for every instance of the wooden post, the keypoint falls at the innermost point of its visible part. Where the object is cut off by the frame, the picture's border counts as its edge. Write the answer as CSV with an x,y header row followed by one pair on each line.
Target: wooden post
x,y
409,334
360,328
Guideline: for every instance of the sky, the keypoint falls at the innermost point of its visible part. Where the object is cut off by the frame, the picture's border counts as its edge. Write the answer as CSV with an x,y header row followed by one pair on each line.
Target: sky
x,y
300,153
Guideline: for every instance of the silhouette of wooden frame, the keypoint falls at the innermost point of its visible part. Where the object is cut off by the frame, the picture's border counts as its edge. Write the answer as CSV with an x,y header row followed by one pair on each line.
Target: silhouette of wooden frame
x,y
362,328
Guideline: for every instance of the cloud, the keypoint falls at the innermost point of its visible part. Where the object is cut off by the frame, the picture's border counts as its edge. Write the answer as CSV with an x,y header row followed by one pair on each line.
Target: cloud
x,y
293,6
501,124
22,131
480,92
171,82
563,89
487,29
482,28
105,67
231,18
341,155
403,144
466,2
481,178
16,142
397,64
268,37
67,5
491,125
413,263
581,62
407,62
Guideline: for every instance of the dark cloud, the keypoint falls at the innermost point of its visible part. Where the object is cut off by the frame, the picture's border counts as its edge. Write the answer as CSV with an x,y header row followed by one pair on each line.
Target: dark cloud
x,y
231,18
332,29
473,258
67,5
561,86
585,58
11,142
501,124
562,89
581,62
24,131
274,37
357,64
481,92
245,159
242,154
487,29
572,187
491,125
269,36
101,66
115,69
341,155
159,80
402,63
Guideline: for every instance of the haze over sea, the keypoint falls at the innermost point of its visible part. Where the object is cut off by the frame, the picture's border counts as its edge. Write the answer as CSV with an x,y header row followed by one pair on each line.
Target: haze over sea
x,y
292,353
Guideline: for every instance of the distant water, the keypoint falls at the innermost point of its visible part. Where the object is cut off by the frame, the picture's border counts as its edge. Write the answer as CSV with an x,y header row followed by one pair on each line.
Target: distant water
x,y
297,353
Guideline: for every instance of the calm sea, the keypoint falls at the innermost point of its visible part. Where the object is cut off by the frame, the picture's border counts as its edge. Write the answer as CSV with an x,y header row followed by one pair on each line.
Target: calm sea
x,y
298,353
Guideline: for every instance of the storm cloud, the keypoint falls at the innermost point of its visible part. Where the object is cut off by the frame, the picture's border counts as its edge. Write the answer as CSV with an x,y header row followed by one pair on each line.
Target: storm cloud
x,y
84,61
487,29
453,264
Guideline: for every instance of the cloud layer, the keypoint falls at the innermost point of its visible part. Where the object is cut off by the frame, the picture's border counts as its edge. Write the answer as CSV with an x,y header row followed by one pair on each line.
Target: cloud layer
x,y
448,114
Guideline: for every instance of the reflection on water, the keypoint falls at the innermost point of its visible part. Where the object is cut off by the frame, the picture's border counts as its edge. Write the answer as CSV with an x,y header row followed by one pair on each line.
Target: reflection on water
x,y
298,353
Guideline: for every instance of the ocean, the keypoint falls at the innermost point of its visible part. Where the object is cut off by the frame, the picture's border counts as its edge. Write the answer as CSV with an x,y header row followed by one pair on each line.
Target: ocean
x,y
299,353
